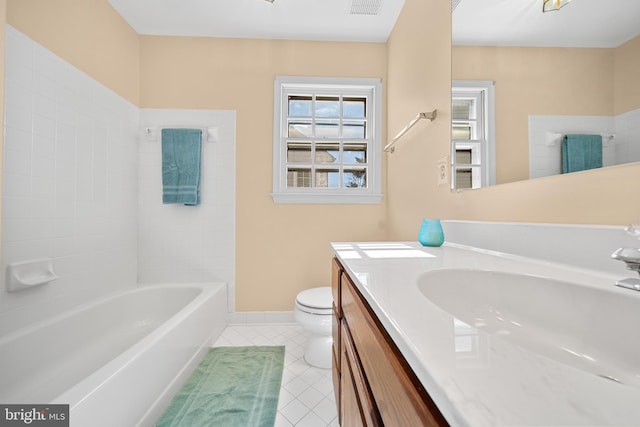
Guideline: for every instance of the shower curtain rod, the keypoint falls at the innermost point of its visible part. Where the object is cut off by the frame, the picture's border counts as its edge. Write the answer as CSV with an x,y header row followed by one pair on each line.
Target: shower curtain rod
x,y
430,115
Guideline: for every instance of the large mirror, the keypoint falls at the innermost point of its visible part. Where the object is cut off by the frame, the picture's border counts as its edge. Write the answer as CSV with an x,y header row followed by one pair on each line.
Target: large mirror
x,y
574,71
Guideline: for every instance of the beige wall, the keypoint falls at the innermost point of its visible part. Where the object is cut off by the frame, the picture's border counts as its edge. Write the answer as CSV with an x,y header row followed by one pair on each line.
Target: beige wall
x,y
627,70
536,81
419,81
280,249
284,248
87,33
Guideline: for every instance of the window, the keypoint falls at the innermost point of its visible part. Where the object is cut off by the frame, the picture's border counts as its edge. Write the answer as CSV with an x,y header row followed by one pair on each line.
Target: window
x,y
327,140
472,134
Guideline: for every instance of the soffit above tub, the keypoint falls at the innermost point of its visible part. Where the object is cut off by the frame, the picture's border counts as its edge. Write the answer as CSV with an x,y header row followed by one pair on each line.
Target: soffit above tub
x,y
326,20
581,23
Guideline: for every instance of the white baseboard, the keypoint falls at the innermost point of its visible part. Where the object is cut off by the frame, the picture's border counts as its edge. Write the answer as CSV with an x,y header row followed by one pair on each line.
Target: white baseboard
x,y
260,317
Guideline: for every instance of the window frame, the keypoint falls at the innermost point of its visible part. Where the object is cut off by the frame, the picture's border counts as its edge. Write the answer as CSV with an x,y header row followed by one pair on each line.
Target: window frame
x,y
483,167
372,194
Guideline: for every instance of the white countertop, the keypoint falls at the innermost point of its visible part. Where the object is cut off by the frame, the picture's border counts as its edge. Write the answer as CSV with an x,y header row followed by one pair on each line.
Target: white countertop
x,y
475,378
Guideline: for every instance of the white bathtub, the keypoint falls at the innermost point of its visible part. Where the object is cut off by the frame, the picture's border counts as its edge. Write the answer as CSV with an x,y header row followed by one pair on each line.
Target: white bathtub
x,y
117,361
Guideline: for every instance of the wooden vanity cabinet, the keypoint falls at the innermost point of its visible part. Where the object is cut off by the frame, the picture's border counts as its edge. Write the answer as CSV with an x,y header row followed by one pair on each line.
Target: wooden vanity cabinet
x,y
374,384
336,272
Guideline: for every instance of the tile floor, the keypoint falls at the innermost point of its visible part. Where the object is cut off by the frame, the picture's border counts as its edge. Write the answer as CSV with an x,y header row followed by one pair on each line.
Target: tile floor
x,y
306,395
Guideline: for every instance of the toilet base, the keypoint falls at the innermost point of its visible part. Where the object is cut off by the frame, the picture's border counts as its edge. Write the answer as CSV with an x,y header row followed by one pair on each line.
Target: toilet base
x,y
317,351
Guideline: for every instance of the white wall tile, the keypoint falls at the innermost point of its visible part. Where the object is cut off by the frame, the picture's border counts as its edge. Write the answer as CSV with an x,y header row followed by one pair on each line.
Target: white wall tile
x,y
183,243
75,177
57,202
623,148
627,141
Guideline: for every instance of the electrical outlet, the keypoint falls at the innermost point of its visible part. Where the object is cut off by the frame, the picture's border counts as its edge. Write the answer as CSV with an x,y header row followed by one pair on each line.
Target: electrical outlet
x,y
442,171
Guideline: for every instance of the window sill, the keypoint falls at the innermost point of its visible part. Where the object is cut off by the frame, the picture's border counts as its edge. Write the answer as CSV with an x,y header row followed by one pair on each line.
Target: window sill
x,y
326,199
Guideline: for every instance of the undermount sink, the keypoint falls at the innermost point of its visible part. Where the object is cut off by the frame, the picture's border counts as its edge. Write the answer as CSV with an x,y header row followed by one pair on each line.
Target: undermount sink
x,y
595,330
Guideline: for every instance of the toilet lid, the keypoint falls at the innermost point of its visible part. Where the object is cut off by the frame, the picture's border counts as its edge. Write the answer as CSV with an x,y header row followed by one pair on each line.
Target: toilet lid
x,y
316,297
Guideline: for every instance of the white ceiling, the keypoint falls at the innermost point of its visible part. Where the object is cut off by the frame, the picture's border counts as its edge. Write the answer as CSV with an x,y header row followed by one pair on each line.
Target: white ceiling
x,y
330,20
581,23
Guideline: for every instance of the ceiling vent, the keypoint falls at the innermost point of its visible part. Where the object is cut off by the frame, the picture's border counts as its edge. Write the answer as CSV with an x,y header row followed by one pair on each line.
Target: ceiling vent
x,y
454,4
365,7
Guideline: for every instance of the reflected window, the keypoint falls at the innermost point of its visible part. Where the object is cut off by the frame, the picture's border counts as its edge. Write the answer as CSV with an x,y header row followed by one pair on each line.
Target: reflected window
x,y
472,134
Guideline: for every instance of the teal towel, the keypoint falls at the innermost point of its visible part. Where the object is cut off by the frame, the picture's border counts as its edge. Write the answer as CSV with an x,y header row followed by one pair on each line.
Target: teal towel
x,y
581,152
181,150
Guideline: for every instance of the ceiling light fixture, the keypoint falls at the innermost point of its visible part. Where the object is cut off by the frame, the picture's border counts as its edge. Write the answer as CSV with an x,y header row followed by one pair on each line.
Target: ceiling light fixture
x,y
549,5
270,1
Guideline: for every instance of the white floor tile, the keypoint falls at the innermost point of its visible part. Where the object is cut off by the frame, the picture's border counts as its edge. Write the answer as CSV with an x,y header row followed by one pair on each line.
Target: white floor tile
x,y
326,410
306,396
295,411
281,421
310,397
312,420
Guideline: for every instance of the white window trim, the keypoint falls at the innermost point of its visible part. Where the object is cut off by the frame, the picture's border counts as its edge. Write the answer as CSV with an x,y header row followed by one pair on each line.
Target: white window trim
x,y
489,151
281,194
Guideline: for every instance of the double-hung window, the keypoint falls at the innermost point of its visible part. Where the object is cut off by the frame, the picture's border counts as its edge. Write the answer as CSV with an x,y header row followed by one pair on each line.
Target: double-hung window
x,y
472,134
327,140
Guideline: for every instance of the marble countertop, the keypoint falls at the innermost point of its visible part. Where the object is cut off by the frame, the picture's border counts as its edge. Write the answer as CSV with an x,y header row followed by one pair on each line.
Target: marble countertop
x,y
477,378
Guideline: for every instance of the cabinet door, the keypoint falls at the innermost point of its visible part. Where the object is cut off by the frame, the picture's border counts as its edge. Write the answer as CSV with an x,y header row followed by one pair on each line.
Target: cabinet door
x,y
336,274
357,406
337,386
398,395
350,411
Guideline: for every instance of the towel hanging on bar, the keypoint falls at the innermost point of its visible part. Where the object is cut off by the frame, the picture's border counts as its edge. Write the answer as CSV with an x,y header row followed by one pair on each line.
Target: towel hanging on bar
x,y
181,158
581,152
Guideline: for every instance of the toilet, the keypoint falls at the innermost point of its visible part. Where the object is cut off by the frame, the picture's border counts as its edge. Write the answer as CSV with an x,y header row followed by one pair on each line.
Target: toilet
x,y
313,312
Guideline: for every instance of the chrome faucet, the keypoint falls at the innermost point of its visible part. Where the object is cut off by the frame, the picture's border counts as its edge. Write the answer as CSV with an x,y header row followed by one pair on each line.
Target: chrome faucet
x,y
631,257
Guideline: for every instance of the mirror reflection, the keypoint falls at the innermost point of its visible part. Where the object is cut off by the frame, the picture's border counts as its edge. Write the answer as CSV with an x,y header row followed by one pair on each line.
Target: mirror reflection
x,y
556,78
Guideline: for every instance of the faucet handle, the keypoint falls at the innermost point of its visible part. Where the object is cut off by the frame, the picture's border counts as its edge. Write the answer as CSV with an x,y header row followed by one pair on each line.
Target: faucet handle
x,y
631,256
633,230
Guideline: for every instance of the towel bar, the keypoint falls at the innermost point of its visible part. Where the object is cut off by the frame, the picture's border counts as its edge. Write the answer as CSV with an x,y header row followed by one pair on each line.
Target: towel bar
x,y
431,116
209,134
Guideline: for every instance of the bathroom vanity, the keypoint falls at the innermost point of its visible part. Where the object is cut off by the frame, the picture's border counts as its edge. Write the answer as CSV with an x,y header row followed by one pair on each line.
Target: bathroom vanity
x,y
463,336
374,385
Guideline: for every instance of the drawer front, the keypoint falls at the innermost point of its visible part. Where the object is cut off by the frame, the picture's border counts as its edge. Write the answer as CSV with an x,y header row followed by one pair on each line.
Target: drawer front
x,y
399,396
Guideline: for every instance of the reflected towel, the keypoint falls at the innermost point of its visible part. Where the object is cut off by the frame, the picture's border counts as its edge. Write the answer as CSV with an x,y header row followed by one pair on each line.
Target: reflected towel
x,y
181,150
581,152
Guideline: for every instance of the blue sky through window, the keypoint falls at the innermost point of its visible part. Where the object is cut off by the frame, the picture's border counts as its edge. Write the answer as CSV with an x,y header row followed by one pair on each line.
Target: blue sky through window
x,y
301,106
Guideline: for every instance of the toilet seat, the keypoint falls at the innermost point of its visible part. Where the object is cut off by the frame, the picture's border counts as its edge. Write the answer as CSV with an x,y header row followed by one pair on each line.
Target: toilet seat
x,y
315,301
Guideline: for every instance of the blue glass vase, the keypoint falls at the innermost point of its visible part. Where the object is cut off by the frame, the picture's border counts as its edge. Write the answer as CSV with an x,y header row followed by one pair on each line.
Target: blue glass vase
x,y
431,233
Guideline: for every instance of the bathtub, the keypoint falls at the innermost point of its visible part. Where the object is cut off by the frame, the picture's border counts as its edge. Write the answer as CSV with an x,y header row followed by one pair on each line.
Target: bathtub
x,y
117,361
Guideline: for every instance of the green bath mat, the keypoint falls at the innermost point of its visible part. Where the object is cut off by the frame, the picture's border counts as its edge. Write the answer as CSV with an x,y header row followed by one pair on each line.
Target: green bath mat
x,y
232,386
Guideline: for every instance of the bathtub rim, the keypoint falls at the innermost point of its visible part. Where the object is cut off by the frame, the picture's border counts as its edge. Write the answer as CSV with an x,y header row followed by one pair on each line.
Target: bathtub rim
x,y
25,330
77,394
84,388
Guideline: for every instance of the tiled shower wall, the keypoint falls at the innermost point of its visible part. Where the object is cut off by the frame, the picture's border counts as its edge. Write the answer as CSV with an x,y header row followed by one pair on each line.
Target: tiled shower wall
x,y
627,140
545,131
69,182
188,243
